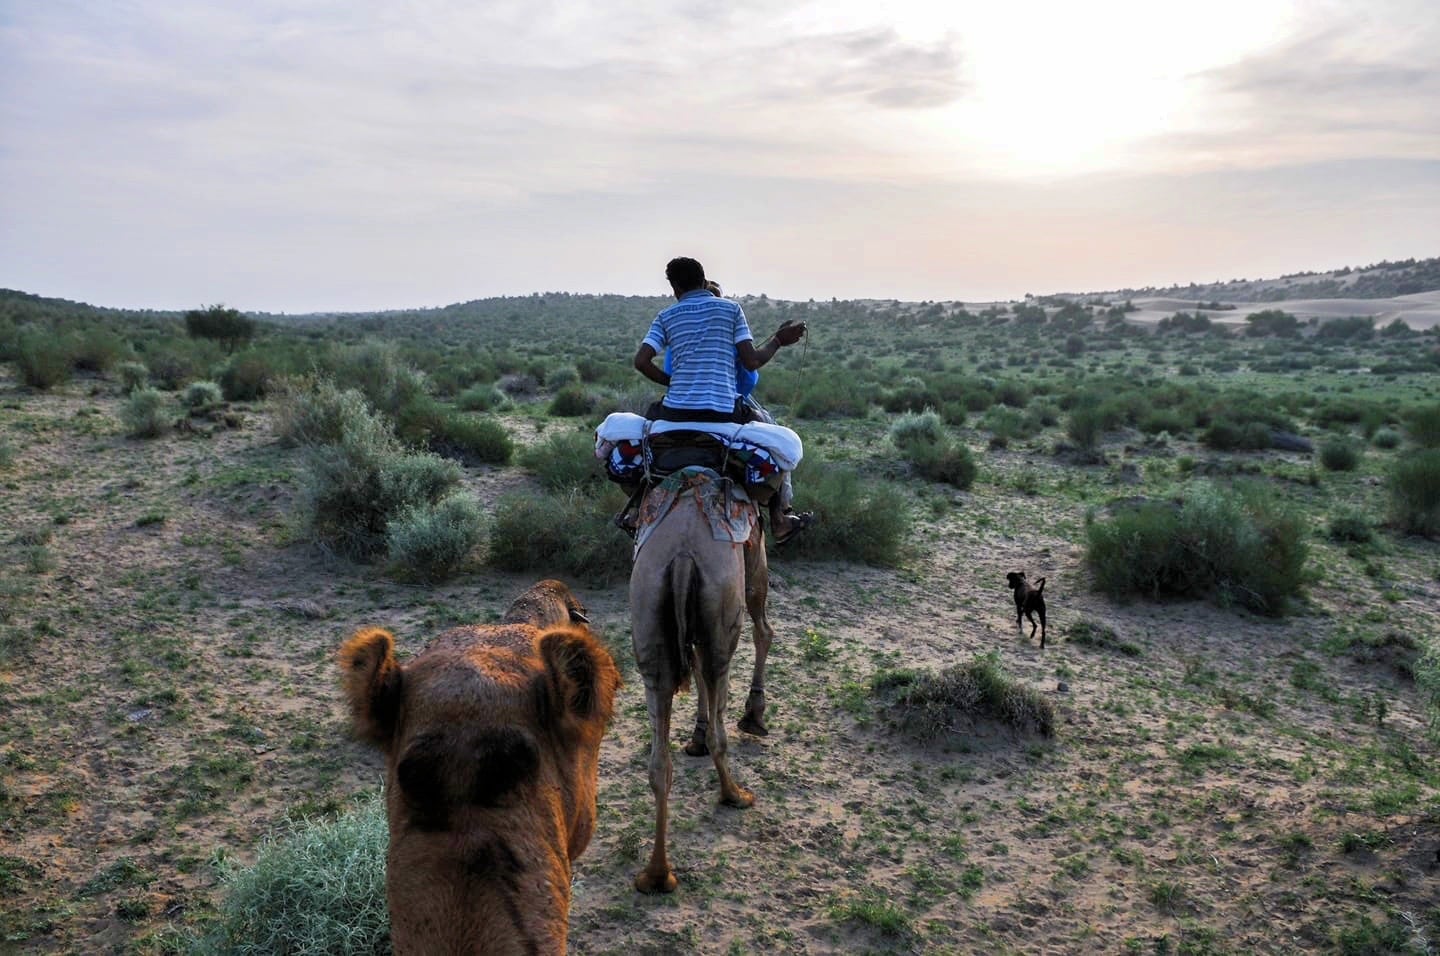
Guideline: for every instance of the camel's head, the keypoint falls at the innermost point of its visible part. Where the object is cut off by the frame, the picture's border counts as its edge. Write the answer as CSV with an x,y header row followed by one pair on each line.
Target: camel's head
x,y
546,604
492,738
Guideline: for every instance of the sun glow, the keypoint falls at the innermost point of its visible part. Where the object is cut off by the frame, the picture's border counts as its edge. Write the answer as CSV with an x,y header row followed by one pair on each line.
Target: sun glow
x,y
1057,89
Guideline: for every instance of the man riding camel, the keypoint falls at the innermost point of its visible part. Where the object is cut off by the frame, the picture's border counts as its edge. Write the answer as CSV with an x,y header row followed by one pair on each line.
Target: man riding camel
x,y
705,335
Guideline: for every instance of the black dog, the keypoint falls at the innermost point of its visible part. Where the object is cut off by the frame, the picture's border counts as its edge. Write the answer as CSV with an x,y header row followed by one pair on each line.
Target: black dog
x,y
1029,601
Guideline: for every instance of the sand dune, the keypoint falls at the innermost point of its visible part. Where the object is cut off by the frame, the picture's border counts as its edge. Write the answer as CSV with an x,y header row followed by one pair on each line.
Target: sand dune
x,y
1419,311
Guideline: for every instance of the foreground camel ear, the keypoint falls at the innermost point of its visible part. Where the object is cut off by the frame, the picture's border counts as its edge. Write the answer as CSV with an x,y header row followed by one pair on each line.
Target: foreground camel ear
x,y
582,679
371,680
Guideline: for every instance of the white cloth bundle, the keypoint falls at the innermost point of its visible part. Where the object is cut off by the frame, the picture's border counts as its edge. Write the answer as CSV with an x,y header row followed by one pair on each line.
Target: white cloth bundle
x,y
782,443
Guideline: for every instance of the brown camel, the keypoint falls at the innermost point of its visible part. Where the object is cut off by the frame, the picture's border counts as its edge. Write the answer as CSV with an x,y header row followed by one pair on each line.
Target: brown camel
x,y
687,605
491,737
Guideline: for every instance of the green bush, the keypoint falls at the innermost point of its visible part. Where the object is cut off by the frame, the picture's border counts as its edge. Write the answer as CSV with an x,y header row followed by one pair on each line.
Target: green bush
x,y
1414,485
145,414
1422,424
1351,527
316,412
97,349
917,428
178,361
7,455
1226,435
201,395
563,461
858,519
928,704
1339,454
1084,426
431,541
318,887
945,460
834,395
472,438
248,377
1237,545
352,489
481,398
1386,438
132,375
571,401
568,534
42,358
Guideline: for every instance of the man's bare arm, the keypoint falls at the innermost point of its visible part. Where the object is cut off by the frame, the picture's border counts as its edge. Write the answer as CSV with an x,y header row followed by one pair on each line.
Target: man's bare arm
x,y
645,365
752,358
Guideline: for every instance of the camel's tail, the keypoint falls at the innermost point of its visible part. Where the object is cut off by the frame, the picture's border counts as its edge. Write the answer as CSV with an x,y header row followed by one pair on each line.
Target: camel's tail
x,y
682,614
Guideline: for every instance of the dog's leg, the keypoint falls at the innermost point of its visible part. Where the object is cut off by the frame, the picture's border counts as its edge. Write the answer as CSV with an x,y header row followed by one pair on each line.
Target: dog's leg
x,y
1042,627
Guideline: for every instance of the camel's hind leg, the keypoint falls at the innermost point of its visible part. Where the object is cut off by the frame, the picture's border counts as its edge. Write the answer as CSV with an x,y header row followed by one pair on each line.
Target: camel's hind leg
x,y
731,793
657,877
757,593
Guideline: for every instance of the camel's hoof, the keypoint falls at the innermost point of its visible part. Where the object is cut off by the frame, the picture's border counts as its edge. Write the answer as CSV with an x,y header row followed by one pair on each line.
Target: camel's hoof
x,y
740,799
646,882
754,726
696,748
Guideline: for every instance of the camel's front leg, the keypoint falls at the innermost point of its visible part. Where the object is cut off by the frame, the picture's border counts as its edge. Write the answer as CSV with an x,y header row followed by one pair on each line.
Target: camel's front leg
x,y
657,877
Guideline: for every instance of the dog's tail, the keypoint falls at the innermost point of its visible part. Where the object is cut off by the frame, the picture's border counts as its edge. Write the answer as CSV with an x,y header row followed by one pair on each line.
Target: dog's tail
x,y
1040,585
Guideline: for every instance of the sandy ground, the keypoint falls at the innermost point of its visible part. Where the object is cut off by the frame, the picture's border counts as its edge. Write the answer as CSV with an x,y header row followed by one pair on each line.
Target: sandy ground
x,y
174,699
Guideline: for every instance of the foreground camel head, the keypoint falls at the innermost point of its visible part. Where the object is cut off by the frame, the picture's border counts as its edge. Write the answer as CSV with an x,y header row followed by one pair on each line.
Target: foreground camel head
x,y
491,737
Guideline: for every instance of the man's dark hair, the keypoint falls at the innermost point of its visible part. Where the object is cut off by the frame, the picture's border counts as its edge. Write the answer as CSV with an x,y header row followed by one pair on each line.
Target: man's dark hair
x,y
685,274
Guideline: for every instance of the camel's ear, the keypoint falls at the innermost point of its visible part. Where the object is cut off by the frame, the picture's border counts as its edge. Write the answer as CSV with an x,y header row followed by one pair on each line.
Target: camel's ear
x,y
581,679
371,679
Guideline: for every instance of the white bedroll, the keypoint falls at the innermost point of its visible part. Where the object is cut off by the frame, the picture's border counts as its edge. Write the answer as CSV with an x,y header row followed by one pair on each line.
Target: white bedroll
x,y
780,442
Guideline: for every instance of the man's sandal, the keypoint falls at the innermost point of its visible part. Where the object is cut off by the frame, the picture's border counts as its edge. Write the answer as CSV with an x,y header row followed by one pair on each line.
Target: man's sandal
x,y
799,521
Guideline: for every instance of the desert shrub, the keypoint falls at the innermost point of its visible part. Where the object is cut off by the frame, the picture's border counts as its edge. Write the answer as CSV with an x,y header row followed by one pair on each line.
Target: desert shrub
x,y
1427,678
1226,435
431,541
1237,545
929,704
7,455
316,412
317,887
1171,420
1043,414
1012,393
571,533
1088,633
834,396
945,460
570,402
1351,527
176,362
97,349
564,460
472,438
249,376
910,394
858,520
42,358
201,395
561,378
353,488
1386,438
480,398
1005,425
389,384
917,427
1414,485
518,385
1422,424
1339,454
132,375
145,414
1084,426
418,419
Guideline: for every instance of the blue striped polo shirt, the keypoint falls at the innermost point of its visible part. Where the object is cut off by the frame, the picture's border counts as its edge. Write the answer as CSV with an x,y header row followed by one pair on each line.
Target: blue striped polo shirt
x,y
701,332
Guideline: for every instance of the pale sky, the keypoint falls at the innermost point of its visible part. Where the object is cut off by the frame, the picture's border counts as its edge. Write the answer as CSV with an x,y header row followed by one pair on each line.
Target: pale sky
x,y
304,155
